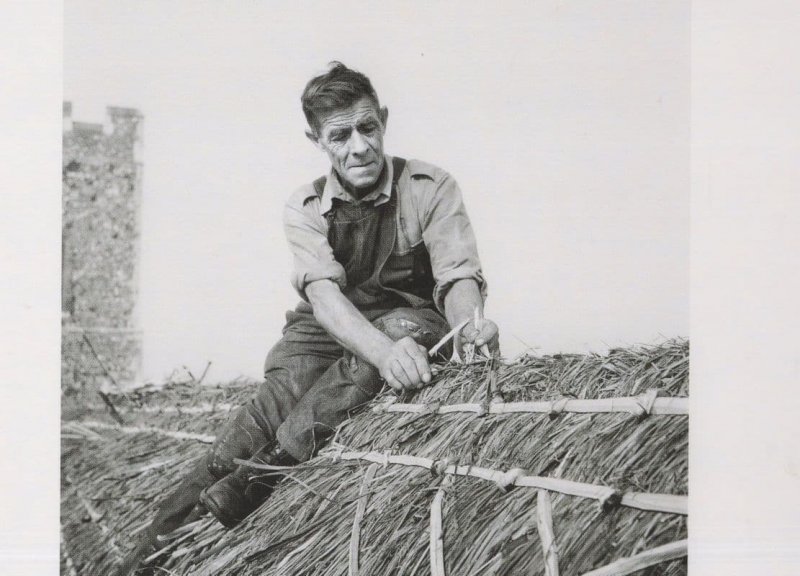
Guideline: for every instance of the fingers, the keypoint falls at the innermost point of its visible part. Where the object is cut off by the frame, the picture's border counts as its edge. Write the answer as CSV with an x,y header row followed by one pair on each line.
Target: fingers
x,y
420,359
486,333
469,334
407,366
395,384
465,336
396,376
413,360
400,372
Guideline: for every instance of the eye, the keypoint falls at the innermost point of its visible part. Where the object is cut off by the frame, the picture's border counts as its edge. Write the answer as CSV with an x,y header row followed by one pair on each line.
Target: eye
x,y
368,128
339,136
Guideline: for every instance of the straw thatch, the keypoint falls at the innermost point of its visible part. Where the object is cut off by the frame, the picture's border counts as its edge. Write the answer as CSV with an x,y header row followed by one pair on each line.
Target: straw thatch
x,y
417,489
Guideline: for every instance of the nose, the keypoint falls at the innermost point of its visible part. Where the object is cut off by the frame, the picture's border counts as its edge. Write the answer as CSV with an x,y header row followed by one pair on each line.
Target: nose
x,y
358,144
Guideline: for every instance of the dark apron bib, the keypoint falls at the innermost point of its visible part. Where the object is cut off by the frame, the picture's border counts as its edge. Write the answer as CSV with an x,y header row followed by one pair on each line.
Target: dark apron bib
x,y
363,238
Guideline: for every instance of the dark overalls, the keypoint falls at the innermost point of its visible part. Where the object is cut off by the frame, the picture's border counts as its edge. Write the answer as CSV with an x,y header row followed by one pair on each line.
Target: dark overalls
x,y
311,383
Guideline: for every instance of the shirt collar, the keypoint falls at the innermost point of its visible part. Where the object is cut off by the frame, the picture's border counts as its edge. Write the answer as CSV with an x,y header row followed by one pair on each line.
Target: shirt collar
x,y
333,189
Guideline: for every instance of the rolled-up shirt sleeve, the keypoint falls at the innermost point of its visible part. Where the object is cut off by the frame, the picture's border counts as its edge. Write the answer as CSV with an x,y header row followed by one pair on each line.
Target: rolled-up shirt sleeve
x,y
448,235
312,255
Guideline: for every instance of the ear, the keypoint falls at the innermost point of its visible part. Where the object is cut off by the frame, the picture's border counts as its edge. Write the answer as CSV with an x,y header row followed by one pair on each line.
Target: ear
x,y
311,135
384,114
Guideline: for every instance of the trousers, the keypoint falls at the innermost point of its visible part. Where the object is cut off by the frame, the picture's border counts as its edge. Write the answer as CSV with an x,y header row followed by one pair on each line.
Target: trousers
x,y
311,385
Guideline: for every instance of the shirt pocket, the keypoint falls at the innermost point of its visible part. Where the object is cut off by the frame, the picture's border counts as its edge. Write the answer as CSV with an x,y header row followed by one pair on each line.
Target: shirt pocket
x,y
409,234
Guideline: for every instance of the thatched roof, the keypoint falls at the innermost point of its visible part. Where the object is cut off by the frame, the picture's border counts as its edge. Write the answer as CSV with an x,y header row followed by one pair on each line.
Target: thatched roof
x,y
495,469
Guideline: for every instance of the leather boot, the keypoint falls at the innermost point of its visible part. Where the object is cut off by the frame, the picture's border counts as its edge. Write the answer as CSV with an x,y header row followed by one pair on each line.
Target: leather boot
x,y
240,437
234,497
180,506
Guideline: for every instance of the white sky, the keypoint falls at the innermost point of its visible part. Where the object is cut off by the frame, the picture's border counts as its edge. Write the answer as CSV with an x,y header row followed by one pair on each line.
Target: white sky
x,y
566,124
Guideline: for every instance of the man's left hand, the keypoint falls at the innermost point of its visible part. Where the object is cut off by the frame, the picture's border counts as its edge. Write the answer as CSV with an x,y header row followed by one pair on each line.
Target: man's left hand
x,y
485,332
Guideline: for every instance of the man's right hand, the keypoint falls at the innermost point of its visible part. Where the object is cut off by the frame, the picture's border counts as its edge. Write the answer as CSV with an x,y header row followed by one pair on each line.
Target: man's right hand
x,y
405,365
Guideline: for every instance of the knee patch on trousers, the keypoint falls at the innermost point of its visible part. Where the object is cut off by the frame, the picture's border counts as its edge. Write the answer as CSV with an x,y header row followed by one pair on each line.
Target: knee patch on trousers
x,y
396,325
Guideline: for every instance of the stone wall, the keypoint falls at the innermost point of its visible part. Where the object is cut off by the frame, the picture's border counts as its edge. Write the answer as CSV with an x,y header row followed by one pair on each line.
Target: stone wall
x,y
101,197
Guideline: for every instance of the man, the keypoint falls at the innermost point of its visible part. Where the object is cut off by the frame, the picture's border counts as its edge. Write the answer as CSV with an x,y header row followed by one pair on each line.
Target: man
x,y
385,261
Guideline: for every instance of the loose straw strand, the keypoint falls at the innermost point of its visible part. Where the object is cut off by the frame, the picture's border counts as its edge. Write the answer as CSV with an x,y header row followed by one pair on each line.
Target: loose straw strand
x,y
478,319
355,535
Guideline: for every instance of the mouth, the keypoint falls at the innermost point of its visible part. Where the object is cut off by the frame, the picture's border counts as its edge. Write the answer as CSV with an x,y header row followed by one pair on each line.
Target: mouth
x,y
364,165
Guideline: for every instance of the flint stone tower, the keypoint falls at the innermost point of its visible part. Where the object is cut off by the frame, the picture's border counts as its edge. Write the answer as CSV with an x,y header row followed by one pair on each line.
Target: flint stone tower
x,y
101,197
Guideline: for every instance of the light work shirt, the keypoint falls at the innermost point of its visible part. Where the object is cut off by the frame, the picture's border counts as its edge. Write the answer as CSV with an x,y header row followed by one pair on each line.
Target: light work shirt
x,y
430,209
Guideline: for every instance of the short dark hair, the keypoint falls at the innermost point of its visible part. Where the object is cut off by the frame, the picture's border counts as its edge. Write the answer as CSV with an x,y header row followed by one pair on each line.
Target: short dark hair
x,y
339,87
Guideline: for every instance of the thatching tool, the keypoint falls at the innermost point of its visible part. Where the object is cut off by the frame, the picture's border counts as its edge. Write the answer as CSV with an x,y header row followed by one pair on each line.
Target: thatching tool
x,y
477,317
447,337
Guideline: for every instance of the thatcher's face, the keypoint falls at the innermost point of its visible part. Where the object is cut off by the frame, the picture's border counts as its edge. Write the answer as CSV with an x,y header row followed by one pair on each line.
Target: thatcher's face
x,y
353,139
